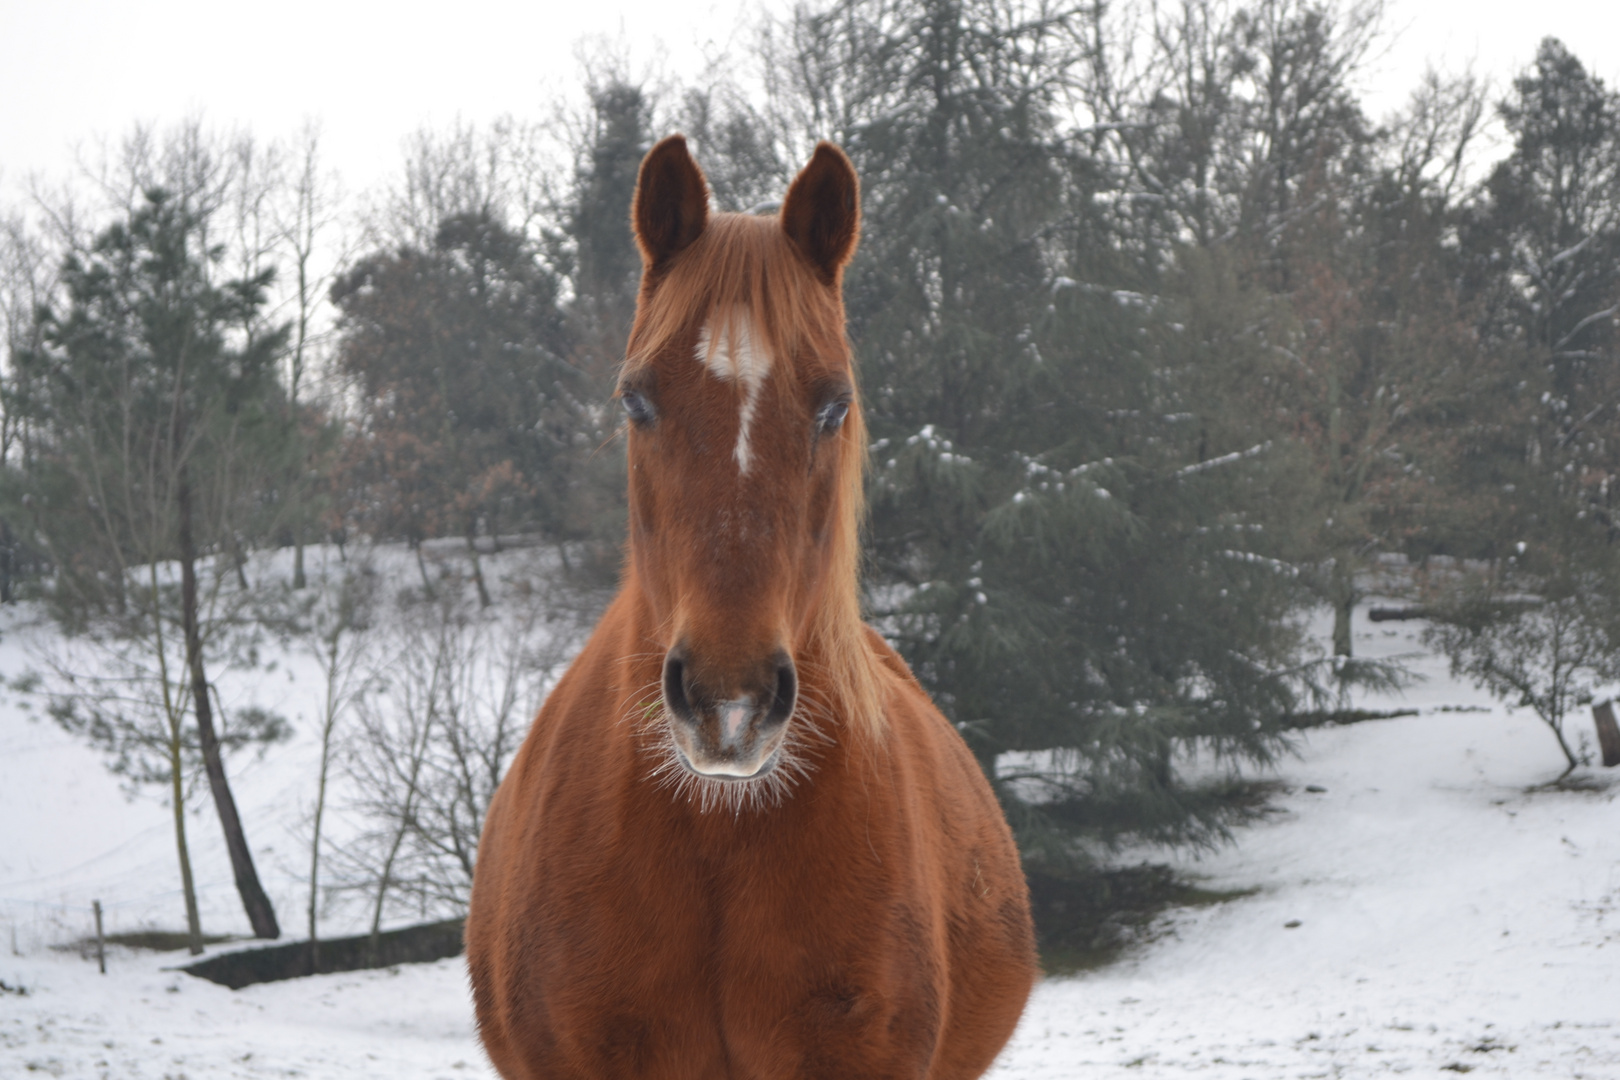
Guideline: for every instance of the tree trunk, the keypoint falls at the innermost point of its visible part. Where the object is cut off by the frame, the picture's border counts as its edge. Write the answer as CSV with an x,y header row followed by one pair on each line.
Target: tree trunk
x,y
187,885
385,881
478,572
260,914
1569,754
386,878
315,852
177,781
299,580
239,560
1342,610
1608,733
421,568
1344,605
7,548
328,721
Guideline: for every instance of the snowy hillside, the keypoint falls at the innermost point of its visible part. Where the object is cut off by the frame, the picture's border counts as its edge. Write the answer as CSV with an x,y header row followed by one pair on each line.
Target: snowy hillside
x,y
1431,909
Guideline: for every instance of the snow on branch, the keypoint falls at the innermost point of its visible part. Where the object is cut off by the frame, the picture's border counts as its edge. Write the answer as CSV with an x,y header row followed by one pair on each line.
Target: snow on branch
x,y
1224,459
1596,316
1570,252
1262,560
1122,297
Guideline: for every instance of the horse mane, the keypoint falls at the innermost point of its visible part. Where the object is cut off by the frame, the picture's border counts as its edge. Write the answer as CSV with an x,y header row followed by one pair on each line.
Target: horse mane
x,y
743,267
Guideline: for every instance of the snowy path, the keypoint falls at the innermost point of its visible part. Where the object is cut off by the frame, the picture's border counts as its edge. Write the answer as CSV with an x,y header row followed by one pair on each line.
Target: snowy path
x,y
1449,919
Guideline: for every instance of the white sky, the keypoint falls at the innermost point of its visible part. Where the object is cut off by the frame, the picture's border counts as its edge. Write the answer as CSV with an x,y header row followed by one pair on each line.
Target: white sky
x,y
73,71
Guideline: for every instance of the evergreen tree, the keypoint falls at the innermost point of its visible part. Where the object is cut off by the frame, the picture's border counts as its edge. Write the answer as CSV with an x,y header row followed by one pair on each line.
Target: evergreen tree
x,y
607,267
471,410
1544,264
594,245
1069,523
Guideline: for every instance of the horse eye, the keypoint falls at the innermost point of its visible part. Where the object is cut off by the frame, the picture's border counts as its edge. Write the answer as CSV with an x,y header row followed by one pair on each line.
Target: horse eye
x,y
832,415
636,407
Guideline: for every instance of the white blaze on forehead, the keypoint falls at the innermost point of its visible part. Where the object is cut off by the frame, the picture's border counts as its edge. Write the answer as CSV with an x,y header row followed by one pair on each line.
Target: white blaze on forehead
x,y
734,353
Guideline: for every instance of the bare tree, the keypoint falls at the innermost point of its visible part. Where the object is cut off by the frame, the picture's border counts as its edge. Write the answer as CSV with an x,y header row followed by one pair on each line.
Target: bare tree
x,y
441,715
1547,654
386,759
305,222
1432,140
1211,116
499,171
334,625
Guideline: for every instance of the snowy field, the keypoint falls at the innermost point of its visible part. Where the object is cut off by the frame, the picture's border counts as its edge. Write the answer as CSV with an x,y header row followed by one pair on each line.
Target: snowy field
x,y
1431,911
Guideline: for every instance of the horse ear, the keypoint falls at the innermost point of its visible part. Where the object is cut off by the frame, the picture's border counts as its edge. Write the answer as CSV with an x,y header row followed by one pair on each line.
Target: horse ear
x,y
671,206
822,211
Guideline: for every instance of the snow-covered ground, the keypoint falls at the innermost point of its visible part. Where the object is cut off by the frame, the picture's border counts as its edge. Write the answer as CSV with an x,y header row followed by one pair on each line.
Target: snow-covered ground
x,y
1430,910
1425,912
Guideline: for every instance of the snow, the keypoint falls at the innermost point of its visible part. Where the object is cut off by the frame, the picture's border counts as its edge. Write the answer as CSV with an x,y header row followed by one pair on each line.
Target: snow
x,y
69,834
1445,916
143,1021
1437,907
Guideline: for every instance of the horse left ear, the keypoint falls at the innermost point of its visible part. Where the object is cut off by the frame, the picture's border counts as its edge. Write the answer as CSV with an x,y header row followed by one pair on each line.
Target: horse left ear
x,y
822,211
671,207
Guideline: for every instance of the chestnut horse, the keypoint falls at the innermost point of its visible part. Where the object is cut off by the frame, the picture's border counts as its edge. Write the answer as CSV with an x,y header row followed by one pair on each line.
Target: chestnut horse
x,y
739,840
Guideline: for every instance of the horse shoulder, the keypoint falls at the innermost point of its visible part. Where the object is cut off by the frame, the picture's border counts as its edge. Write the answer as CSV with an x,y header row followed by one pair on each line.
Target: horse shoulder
x,y
546,843
977,878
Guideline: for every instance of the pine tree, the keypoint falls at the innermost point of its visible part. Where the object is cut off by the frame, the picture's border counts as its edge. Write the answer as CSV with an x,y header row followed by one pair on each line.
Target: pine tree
x,y
594,244
1544,264
1071,498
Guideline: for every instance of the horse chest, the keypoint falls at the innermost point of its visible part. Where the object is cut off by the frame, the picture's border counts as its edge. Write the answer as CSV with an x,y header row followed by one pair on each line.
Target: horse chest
x,y
759,958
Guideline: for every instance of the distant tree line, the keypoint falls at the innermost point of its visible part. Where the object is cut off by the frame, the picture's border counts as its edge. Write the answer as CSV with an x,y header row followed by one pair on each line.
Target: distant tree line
x,y
1164,343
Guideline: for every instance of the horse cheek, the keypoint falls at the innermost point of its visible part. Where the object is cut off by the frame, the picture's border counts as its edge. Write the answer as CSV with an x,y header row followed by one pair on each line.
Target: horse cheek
x,y
815,556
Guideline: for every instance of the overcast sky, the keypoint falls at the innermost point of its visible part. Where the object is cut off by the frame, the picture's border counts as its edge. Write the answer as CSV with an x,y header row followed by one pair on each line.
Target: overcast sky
x,y
72,71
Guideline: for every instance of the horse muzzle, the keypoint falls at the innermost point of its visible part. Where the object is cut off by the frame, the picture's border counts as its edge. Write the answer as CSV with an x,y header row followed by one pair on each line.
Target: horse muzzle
x,y
728,732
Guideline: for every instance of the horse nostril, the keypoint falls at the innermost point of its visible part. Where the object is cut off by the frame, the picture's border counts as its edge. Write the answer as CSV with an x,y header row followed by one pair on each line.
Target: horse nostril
x,y
787,692
689,701
675,699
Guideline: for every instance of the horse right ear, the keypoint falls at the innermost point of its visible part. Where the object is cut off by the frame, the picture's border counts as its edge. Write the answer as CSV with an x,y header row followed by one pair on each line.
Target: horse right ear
x,y
822,211
671,207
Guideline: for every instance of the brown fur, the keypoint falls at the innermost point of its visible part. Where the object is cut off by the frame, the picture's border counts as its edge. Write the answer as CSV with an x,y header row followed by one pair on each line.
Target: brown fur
x,y
859,913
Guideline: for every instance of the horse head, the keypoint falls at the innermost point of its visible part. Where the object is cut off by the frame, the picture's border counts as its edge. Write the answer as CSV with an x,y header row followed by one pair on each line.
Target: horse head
x,y
745,446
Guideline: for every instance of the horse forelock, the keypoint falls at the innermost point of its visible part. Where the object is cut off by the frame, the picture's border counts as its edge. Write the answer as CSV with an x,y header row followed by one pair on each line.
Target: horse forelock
x,y
743,287
742,267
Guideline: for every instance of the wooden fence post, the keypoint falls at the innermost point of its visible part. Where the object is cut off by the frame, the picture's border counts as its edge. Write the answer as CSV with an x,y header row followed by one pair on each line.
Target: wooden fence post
x,y
101,942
